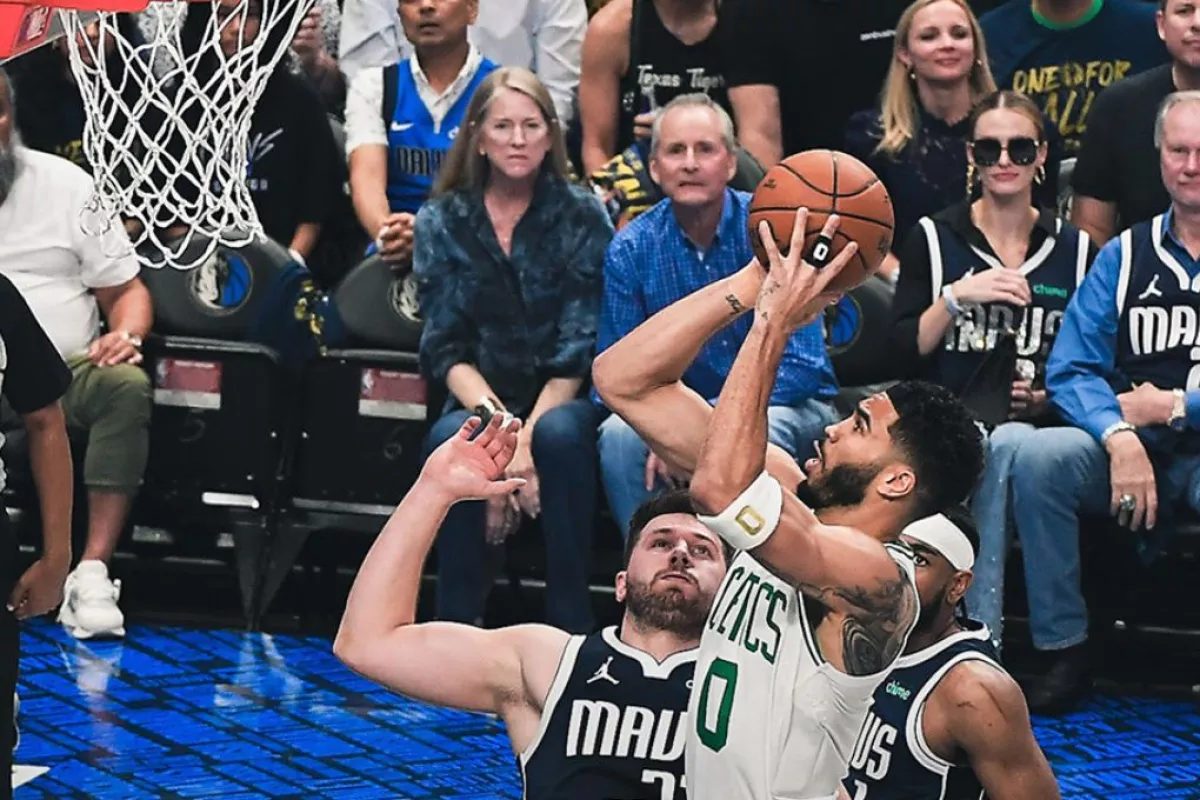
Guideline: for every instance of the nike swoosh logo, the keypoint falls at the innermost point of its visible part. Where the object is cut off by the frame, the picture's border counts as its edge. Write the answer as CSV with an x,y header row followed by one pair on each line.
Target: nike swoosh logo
x,y
401,127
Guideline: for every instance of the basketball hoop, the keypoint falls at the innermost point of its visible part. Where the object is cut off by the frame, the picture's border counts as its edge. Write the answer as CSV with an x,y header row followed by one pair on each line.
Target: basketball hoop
x,y
167,136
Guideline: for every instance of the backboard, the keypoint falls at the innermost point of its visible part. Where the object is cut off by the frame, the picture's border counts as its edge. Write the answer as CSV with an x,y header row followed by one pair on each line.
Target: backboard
x,y
25,27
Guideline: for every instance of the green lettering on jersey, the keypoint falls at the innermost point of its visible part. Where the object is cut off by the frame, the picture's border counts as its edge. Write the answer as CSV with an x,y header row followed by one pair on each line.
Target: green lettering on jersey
x,y
753,605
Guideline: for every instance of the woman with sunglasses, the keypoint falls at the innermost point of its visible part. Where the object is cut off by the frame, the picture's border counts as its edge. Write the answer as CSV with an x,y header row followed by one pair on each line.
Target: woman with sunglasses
x,y
979,270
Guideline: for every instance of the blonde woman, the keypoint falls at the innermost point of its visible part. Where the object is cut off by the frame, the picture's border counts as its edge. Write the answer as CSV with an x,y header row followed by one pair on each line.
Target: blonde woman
x,y
916,140
509,256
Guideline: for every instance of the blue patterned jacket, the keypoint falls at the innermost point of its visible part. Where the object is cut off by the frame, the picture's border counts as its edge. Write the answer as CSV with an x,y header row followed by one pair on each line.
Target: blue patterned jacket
x,y
519,320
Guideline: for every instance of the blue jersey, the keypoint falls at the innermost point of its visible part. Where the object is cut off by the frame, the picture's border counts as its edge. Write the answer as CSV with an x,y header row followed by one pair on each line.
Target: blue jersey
x,y
891,759
1158,332
613,726
1054,271
417,145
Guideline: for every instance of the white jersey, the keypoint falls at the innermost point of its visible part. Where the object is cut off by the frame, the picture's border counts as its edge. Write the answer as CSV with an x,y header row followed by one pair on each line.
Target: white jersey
x,y
770,718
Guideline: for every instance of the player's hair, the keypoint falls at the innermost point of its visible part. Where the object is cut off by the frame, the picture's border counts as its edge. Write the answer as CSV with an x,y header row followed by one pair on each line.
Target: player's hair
x,y
899,105
1012,101
694,100
1164,108
942,442
672,501
465,167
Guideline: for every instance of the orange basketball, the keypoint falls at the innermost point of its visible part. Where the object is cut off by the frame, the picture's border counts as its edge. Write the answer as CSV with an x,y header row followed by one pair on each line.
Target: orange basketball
x,y
826,182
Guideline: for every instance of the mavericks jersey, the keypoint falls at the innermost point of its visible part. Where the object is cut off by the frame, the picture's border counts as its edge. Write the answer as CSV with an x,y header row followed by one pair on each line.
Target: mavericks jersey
x,y
417,144
892,760
1158,332
770,717
1054,271
614,725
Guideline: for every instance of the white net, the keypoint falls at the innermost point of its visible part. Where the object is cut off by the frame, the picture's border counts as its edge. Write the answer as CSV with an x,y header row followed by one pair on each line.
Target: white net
x,y
168,120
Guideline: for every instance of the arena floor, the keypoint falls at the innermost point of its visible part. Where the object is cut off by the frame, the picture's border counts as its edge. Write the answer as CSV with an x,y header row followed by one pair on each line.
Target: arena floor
x,y
183,713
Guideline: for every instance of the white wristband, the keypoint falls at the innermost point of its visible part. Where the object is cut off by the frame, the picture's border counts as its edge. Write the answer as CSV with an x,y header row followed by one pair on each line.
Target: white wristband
x,y
749,520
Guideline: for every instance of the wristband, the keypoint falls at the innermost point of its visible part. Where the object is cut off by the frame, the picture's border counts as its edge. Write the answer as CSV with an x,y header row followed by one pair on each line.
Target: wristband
x,y
750,519
952,304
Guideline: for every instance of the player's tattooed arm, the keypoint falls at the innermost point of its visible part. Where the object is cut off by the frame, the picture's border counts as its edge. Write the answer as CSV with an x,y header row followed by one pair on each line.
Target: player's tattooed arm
x,y
876,620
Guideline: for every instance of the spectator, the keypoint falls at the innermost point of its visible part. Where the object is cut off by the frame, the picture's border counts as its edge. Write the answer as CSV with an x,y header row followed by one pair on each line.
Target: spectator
x,y
915,140
312,47
975,271
51,116
698,235
543,35
1122,372
402,119
509,257
1116,178
33,378
1062,53
294,169
69,279
780,55
638,55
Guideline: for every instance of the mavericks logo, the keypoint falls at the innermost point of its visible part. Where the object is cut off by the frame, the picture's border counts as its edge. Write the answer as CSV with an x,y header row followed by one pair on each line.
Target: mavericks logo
x,y
221,285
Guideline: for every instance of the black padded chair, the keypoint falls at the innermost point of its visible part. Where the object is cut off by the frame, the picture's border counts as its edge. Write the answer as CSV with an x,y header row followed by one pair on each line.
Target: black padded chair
x,y
362,420
219,422
856,336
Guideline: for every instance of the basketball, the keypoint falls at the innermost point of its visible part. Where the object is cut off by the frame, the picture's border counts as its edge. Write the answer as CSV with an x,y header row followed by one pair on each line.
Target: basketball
x,y
826,182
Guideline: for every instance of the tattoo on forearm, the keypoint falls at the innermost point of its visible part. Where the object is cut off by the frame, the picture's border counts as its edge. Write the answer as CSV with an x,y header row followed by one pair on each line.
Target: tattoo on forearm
x,y
874,629
734,304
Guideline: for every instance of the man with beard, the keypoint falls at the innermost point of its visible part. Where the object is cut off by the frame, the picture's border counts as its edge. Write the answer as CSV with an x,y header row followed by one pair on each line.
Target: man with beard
x,y
815,610
950,724
590,717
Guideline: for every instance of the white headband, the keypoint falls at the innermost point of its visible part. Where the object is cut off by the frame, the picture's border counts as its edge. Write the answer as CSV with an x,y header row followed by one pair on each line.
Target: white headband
x,y
945,537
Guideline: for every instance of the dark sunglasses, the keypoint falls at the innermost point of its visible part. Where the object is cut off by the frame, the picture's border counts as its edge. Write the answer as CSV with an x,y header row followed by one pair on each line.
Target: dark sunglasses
x,y
1022,151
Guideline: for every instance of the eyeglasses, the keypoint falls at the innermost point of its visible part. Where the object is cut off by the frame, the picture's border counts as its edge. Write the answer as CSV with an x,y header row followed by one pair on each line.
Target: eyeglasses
x,y
505,131
1022,151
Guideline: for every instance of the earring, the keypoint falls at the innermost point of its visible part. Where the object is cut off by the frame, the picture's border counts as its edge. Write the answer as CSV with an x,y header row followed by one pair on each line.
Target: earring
x,y
970,179
912,73
1039,174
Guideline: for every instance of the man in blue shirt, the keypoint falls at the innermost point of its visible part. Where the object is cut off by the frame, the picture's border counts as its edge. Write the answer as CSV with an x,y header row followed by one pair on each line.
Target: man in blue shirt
x,y
698,235
1062,53
1124,372
402,119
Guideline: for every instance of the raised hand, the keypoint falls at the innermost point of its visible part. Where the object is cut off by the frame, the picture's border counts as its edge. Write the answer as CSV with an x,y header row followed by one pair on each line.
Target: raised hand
x,y
467,468
793,292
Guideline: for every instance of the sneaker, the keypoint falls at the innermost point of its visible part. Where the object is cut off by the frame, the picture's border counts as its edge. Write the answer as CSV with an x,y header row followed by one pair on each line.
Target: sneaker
x,y
90,602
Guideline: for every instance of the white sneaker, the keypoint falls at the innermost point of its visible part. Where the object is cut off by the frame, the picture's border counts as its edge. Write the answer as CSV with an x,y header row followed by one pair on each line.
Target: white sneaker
x,y
90,602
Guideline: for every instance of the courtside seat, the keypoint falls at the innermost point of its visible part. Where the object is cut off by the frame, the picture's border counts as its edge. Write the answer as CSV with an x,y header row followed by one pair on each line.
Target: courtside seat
x,y
220,422
361,420
856,335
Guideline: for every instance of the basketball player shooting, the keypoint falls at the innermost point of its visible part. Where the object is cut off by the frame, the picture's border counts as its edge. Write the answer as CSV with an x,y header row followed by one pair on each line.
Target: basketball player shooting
x,y
589,717
950,723
814,612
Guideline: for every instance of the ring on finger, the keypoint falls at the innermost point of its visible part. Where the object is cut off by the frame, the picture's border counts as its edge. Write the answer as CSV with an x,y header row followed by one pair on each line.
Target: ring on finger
x,y
1127,503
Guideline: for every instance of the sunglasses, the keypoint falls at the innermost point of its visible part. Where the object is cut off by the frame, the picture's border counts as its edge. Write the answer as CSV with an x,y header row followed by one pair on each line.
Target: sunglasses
x,y
1022,151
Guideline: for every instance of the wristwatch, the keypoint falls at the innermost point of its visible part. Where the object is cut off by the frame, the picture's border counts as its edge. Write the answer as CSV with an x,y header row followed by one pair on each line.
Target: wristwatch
x,y
1114,429
487,407
1178,419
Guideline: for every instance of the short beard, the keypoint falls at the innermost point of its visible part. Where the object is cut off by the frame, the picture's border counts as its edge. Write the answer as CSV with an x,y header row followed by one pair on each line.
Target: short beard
x,y
843,486
930,612
8,170
666,610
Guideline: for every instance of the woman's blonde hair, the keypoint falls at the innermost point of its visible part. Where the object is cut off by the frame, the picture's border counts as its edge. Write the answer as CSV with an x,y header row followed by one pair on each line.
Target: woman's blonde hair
x,y
898,103
465,167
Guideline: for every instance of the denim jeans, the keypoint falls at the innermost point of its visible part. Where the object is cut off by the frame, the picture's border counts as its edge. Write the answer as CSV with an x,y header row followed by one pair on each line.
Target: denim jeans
x,y
564,453
1037,482
623,453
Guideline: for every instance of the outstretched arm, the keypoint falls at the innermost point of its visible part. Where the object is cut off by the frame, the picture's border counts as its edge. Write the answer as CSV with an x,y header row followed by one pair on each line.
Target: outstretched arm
x,y
985,715
442,663
640,376
847,571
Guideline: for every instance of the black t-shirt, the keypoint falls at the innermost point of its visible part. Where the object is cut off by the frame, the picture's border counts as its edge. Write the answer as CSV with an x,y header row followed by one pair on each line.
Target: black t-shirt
x,y
1118,162
32,373
827,59
293,158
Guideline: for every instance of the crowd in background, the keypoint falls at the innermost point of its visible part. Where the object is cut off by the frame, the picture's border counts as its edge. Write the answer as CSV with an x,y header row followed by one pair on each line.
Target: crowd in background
x,y
554,172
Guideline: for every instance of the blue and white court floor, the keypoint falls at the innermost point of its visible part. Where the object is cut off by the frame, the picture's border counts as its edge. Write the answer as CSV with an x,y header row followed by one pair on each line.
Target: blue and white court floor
x,y
179,713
